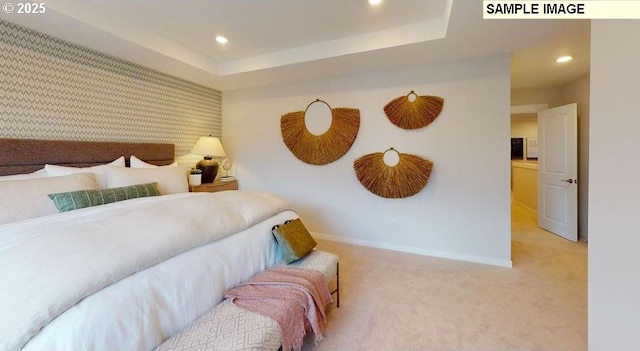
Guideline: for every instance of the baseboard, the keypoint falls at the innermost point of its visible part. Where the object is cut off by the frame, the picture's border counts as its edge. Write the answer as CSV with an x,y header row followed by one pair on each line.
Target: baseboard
x,y
525,207
583,237
413,250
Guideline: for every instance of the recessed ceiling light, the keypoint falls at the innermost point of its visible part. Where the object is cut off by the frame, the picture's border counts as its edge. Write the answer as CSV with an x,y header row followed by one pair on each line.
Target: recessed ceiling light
x,y
563,59
222,40
375,2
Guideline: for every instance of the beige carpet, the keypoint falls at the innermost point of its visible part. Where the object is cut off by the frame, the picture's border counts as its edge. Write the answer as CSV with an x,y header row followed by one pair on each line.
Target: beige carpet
x,y
398,301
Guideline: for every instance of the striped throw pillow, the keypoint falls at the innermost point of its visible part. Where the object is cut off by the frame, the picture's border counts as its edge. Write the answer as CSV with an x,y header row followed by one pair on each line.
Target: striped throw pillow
x,y
74,200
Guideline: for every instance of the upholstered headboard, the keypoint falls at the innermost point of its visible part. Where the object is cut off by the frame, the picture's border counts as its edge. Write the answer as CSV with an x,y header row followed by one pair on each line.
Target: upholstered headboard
x,y
27,155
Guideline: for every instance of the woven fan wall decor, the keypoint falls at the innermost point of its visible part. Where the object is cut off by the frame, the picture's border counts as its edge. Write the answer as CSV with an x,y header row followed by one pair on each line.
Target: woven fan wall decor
x,y
408,114
406,178
325,148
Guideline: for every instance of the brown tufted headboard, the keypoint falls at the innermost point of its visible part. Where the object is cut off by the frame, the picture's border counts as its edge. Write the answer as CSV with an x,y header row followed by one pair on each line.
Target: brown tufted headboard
x,y
27,155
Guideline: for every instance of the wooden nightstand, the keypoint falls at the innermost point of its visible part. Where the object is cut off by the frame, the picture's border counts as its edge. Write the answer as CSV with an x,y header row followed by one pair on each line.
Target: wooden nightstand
x,y
217,185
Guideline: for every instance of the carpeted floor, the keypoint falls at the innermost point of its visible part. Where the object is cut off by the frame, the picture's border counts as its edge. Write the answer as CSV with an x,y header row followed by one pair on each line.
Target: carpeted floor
x,y
398,301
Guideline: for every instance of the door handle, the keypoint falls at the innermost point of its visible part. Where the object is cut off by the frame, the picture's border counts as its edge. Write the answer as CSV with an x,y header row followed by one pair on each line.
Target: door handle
x,y
570,181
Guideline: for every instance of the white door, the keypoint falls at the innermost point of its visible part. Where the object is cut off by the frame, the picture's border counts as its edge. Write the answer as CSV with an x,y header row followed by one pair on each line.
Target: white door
x,y
558,170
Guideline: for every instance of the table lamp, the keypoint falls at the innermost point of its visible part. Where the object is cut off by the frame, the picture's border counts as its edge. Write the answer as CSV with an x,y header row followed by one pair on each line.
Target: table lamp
x,y
208,147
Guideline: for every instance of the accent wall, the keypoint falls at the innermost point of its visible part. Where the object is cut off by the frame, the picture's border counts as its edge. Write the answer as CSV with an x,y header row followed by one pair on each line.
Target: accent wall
x,y
53,89
463,212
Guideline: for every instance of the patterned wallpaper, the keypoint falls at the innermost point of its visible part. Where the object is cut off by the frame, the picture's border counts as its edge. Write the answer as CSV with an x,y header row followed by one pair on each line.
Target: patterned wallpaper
x,y
53,89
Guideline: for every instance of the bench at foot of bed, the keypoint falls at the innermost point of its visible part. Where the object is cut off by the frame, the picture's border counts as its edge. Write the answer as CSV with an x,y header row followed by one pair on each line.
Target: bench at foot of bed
x,y
229,327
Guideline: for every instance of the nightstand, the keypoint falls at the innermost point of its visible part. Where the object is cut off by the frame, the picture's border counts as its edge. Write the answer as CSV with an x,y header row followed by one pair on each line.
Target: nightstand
x,y
217,185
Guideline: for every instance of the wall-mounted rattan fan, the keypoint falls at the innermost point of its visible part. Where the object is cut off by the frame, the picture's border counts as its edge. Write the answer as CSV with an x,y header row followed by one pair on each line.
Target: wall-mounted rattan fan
x,y
404,179
413,111
325,148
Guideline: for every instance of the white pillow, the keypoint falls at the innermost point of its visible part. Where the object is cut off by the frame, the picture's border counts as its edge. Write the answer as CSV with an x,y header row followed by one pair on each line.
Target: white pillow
x,y
118,162
138,163
37,174
55,170
28,198
170,180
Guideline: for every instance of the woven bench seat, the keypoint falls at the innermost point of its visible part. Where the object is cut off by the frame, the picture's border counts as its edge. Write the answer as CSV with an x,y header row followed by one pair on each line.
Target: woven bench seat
x,y
229,327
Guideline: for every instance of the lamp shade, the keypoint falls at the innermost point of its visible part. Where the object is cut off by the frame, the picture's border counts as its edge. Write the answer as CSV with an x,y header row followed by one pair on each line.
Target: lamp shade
x,y
208,147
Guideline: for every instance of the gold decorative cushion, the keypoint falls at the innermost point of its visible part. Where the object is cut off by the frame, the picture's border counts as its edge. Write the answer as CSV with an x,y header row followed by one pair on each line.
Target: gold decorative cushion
x,y
294,240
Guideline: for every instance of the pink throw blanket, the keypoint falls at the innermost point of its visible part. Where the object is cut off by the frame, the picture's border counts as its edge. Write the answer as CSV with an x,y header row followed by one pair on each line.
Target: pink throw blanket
x,y
292,297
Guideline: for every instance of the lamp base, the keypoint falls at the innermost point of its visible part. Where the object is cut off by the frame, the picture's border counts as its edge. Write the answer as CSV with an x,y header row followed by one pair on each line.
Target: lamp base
x,y
209,169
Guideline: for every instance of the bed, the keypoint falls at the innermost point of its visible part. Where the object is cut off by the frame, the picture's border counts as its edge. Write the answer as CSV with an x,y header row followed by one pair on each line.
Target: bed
x,y
125,275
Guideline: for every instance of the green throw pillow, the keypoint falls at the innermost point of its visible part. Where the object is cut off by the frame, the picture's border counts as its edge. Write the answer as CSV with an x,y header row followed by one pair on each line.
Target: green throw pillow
x,y
87,198
294,240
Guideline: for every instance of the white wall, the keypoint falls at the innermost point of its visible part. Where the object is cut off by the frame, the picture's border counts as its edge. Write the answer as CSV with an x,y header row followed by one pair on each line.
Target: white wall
x,y
578,92
462,213
524,125
614,238
532,96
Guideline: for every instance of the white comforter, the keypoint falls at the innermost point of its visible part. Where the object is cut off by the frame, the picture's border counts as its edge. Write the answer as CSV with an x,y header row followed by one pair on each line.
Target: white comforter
x,y
83,277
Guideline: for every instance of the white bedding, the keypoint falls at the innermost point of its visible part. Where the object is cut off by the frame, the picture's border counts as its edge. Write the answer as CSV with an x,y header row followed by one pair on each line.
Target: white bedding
x,y
155,265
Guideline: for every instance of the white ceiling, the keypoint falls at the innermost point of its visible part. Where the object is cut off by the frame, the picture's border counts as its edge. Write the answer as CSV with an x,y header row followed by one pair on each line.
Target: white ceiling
x,y
287,41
